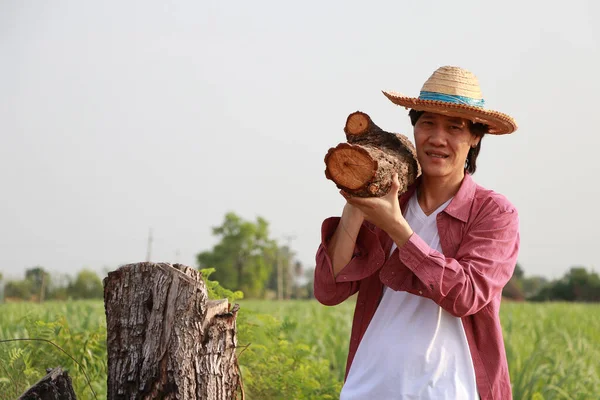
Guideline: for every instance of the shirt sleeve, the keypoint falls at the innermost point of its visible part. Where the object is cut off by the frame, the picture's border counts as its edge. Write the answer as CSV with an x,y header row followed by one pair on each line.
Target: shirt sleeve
x,y
463,285
367,258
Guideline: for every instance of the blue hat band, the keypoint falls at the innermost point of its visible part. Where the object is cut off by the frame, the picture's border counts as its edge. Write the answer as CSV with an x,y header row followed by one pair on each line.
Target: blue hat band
x,y
450,98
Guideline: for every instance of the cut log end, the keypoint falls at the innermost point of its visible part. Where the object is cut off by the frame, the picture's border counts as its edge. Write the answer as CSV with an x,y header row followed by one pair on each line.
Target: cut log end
x,y
350,166
363,166
357,123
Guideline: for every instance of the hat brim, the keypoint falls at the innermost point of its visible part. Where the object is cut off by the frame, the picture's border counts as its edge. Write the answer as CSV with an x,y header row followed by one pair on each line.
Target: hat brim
x,y
498,123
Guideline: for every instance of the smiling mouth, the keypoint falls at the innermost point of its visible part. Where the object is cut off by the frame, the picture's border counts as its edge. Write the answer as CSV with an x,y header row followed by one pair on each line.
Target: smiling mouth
x,y
436,155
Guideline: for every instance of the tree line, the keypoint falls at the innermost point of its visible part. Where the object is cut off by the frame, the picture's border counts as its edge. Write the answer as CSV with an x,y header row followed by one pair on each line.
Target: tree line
x,y
39,285
576,285
247,258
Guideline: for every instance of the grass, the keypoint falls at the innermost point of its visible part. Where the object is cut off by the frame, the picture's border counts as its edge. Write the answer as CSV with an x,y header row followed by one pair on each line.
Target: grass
x,y
552,348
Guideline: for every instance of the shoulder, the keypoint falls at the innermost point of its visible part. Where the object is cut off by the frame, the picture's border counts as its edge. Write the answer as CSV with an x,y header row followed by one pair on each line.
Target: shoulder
x,y
490,199
492,207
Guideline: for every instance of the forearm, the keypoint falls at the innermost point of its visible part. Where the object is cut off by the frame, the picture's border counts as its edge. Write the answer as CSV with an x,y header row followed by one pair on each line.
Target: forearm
x,y
400,232
341,247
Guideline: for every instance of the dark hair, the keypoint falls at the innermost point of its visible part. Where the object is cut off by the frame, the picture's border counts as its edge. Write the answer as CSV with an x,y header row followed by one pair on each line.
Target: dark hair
x,y
476,129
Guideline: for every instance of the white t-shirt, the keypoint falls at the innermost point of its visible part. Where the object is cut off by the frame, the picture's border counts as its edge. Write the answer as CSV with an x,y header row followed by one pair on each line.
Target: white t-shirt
x,y
412,349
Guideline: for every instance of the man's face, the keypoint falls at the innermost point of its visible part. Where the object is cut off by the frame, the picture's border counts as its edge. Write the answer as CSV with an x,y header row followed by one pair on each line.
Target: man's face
x,y
443,144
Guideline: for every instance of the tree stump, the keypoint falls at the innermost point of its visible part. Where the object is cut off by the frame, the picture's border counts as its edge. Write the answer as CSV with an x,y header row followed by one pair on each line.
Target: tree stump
x,y
165,339
365,164
56,385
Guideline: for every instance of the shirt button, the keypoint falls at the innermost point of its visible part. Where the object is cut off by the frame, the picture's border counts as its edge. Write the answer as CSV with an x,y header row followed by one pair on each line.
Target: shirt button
x,y
393,273
345,278
420,292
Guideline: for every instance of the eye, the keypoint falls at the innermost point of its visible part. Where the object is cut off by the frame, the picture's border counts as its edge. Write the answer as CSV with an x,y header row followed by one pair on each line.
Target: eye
x,y
455,127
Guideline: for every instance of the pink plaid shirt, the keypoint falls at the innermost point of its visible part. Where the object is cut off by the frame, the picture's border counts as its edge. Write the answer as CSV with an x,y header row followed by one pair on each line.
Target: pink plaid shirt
x,y
479,235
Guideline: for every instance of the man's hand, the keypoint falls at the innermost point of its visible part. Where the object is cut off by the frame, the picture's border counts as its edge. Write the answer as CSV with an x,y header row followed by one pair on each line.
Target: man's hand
x,y
384,212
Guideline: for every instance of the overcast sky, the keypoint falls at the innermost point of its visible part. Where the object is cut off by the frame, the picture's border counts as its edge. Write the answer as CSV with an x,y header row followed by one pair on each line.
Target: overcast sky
x,y
121,116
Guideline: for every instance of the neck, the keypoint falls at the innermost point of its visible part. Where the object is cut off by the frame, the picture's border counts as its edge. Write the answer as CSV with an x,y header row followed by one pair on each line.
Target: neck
x,y
435,191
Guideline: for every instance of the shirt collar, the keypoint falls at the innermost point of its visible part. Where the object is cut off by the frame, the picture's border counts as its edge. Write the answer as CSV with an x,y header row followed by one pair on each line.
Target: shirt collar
x,y
459,207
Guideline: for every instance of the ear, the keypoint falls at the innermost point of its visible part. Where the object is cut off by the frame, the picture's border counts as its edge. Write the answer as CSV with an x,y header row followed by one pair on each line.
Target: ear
x,y
475,141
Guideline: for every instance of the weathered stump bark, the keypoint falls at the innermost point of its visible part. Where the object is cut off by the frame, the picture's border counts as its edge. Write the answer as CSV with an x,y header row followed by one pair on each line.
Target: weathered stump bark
x,y
364,166
165,339
56,385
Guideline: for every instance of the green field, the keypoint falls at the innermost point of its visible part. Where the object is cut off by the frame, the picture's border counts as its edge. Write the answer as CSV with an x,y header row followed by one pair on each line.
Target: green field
x,y
297,349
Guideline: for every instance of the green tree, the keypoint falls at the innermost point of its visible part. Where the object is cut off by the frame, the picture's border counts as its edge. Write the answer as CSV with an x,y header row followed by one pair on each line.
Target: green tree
x,y
305,284
244,256
521,287
18,289
576,285
57,288
533,285
514,288
87,285
584,286
39,279
283,264
518,273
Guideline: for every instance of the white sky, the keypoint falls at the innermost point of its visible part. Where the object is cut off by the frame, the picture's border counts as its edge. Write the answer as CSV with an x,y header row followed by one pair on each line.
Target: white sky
x,y
120,116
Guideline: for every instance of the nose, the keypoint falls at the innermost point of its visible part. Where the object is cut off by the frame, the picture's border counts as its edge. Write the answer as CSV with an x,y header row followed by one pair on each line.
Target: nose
x,y
437,136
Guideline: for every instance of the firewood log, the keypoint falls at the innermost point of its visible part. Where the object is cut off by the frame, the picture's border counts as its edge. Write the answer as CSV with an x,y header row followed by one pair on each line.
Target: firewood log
x,y
364,166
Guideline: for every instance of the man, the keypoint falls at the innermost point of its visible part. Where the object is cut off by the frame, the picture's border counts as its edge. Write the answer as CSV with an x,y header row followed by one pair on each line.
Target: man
x,y
429,265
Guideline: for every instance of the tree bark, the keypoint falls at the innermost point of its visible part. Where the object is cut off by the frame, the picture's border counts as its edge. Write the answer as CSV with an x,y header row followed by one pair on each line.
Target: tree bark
x,y
165,339
56,385
364,166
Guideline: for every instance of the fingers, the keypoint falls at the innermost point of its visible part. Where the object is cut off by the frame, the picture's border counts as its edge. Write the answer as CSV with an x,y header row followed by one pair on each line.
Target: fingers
x,y
395,182
394,188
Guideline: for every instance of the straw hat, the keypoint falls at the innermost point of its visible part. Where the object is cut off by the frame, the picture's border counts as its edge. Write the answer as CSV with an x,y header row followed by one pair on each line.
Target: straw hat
x,y
455,92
